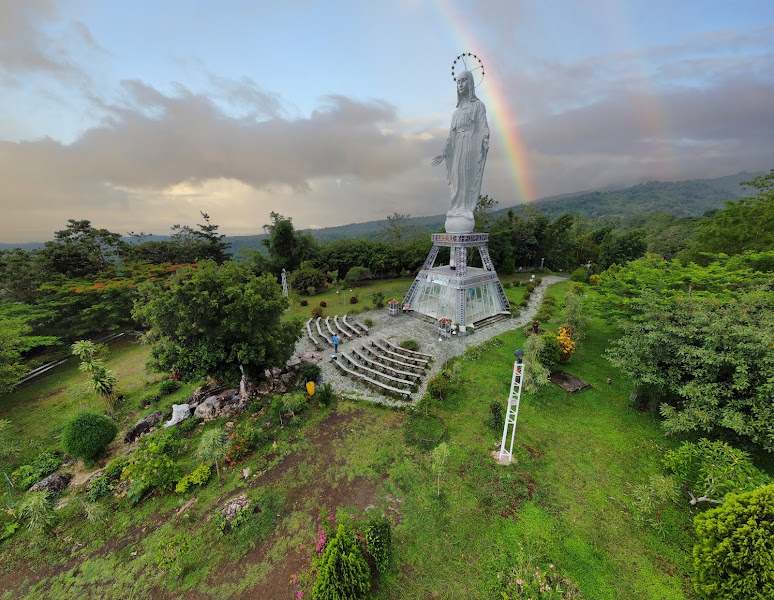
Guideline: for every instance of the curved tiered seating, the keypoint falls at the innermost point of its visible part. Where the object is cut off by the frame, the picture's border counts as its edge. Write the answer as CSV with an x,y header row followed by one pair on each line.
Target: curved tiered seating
x,y
392,360
362,327
355,330
328,326
379,365
315,341
322,335
404,351
342,329
421,361
357,365
367,379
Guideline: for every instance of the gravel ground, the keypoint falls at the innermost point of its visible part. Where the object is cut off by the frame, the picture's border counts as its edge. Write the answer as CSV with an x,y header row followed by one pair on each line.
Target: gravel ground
x,y
397,329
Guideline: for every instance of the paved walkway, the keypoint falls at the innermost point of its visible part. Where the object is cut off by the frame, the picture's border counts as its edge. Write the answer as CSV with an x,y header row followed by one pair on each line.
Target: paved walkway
x,y
397,329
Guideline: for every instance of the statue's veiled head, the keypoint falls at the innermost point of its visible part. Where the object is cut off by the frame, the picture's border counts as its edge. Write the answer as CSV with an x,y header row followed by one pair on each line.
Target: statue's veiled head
x,y
469,90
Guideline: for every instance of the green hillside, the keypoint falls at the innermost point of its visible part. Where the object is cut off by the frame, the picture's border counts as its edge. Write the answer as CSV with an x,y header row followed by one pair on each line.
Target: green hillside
x,y
690,198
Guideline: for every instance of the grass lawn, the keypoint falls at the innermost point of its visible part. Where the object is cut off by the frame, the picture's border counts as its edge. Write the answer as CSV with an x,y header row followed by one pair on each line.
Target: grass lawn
x,y
565,501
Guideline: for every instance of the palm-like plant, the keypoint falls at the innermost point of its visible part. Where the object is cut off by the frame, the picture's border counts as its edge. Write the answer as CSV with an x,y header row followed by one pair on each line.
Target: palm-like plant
x,y
102,380
38,509
212,447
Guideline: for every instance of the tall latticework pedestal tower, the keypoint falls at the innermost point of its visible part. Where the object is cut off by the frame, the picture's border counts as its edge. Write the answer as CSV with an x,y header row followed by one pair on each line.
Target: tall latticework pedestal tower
x,y
467,295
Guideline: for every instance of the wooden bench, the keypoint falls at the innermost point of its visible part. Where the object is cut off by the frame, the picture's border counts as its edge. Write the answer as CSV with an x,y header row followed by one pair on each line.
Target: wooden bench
x,y
362,327
367,379
341,329
403,350
357,331
392,360
328,326
424,363
357,365
315,341
322,335
378,365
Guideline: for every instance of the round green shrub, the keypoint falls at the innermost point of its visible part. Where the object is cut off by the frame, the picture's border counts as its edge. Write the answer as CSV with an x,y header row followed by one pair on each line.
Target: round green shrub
x,y
551,353
87,436
368,322
169,386
149,398
309,371
409,345
734,555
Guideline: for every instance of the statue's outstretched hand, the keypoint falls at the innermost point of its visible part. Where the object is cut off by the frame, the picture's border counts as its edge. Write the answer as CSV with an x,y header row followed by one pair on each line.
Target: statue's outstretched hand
x,y
438,159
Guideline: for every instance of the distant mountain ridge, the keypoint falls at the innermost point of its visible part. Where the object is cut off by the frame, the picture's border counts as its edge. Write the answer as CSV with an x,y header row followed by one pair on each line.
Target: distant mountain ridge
x,y
687,198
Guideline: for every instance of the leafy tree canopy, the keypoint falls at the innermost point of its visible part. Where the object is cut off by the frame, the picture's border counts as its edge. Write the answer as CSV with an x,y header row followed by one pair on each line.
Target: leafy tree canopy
x,y
212,319
744,225
287,247
709,361
80,249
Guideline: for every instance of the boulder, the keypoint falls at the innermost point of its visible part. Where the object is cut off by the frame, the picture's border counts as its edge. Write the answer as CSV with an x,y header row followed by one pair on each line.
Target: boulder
x,y
310,356
180,412
232,506
208,408
143,426
293,362
53,483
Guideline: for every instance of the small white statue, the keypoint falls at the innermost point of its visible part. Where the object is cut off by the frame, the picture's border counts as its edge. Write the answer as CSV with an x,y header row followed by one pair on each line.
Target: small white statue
x,y
465,155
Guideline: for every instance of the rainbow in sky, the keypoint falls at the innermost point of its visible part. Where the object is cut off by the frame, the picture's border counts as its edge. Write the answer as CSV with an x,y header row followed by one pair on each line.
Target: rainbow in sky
x,y
505,121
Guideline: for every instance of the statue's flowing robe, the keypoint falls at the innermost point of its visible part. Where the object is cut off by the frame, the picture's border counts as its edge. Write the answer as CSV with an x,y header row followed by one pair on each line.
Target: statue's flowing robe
x,y
466,157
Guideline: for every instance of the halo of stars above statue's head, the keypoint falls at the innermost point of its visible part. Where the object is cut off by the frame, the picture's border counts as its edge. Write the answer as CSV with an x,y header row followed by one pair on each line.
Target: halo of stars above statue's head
x,y
468,62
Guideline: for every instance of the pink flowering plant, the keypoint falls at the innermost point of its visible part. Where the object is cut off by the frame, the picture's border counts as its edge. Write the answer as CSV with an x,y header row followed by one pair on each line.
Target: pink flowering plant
x,y
345,542
528,580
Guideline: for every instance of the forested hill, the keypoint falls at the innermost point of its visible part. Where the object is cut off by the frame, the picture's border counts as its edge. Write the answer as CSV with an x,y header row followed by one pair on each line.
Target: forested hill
x,y
682,198
690,198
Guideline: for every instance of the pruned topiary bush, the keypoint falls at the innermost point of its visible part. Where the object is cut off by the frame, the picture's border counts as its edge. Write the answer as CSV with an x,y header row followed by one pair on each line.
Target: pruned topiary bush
x,y
409,344
734,555
87,436
342,572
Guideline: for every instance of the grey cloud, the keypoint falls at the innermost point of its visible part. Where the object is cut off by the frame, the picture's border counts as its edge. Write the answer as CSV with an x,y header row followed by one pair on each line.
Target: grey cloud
x,y
25,48
153,140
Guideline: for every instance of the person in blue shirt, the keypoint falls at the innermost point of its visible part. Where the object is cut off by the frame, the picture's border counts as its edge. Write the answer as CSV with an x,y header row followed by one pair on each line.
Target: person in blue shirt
x,y
335,343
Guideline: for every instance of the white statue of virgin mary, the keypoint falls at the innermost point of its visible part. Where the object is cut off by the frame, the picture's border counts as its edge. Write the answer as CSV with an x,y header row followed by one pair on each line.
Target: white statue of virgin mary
x,y
465,155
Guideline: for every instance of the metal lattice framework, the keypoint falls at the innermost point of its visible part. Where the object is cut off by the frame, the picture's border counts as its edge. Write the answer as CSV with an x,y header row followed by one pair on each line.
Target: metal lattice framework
x,y
512,414
461,278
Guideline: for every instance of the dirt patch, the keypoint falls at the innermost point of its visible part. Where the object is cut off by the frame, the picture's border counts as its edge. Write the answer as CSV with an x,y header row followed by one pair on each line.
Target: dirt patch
x,y
569,383
511,510
534,452
358,493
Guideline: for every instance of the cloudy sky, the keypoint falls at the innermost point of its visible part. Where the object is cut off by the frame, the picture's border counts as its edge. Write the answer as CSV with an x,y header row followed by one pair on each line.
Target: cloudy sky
x,y
138,115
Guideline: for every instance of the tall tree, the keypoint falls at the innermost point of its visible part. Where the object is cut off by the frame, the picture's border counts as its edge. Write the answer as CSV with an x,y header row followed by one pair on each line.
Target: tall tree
x,y
287,247
213,318
397,230
745,225
81,250
12,331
